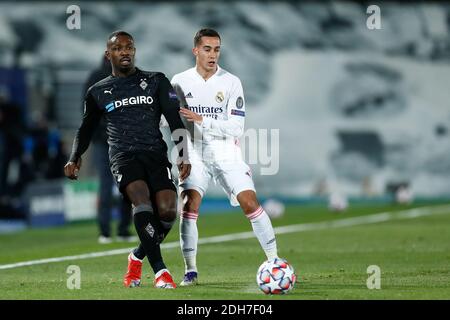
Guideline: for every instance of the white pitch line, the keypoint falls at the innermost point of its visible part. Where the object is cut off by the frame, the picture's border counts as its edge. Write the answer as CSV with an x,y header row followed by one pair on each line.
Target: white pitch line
x,y
340,223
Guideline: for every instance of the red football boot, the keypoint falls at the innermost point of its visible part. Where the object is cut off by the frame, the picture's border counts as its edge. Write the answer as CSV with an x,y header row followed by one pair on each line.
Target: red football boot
x,y
133,276
164,280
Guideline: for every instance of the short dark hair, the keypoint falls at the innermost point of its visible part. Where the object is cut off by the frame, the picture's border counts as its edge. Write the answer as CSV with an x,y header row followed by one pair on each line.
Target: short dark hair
x,y
205,32
119,33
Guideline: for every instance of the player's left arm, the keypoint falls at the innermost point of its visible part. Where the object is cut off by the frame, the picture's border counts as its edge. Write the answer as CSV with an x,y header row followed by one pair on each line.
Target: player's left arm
x,y
234,125
169,103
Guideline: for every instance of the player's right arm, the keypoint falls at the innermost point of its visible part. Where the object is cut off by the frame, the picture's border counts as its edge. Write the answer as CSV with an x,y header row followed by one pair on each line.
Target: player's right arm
x,y
91,118
234,125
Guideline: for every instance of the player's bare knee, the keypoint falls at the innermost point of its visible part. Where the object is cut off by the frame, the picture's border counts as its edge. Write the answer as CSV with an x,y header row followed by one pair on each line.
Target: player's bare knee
x,y
248,202
250,207
191,205
191,201
167,212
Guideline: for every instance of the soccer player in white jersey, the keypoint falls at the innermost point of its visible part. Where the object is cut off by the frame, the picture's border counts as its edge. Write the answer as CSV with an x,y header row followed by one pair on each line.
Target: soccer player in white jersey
x,y
213,104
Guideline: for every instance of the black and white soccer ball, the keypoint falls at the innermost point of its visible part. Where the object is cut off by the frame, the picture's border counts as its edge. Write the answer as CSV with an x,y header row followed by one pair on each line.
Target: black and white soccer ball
x,y
276,276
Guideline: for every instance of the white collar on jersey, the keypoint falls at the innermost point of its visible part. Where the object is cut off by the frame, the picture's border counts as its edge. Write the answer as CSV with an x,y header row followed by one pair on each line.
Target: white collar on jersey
x,y
212,76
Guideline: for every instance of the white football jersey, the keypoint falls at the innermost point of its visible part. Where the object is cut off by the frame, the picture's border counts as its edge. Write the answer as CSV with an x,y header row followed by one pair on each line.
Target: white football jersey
x,y
220,101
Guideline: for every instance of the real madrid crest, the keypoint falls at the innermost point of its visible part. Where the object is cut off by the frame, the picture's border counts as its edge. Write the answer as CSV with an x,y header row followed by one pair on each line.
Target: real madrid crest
x,y
220,97
143,84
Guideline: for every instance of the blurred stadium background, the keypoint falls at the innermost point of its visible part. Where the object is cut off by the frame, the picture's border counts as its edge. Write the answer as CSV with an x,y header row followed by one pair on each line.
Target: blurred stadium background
x,y
363,118
360,112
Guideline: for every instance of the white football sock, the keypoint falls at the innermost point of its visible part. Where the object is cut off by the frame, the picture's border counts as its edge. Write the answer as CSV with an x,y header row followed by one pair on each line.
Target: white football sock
x,y
262,227
189,239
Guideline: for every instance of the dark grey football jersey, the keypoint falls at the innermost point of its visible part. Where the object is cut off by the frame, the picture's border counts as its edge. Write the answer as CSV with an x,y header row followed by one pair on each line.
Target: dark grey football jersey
x,y
132,107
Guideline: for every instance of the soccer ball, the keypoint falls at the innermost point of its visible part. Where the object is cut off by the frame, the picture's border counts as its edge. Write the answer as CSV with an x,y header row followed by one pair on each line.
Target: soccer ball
x,y
276,276
337,202
404,195
274,208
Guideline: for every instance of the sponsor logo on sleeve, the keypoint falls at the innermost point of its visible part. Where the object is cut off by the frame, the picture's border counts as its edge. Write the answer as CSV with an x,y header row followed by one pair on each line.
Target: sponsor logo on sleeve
x,y
173,95
238,112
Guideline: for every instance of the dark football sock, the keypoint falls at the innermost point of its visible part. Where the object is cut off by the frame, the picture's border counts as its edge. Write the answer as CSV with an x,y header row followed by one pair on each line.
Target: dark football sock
x,y
149,231
139,252
166,226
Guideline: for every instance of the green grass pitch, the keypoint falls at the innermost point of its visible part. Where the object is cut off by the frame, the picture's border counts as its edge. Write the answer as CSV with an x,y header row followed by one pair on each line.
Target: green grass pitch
x,y
331,263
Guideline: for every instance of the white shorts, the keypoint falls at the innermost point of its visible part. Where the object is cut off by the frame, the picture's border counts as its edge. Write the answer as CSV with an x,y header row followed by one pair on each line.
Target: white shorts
x,y
234,177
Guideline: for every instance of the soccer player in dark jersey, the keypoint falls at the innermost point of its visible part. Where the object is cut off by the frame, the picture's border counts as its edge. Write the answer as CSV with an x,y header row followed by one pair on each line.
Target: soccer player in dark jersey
x,y
132,102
